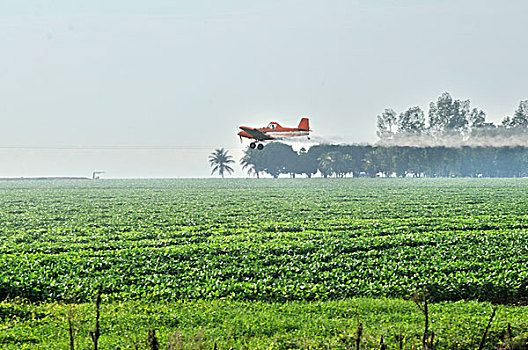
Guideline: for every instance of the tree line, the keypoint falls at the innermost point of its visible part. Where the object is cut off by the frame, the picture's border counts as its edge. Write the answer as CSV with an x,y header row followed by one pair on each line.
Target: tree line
x,y
372,161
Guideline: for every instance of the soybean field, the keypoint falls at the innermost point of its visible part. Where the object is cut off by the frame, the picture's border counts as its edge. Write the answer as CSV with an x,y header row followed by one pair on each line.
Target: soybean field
x,y
271,242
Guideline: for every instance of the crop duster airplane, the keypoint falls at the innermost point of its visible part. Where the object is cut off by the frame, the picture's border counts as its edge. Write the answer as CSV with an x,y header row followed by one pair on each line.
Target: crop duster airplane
x,y
274,131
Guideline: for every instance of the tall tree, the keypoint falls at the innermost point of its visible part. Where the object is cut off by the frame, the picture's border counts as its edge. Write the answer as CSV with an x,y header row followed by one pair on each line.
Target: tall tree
x,y
220,160
448,115
520,117
521,114
411,122
387,124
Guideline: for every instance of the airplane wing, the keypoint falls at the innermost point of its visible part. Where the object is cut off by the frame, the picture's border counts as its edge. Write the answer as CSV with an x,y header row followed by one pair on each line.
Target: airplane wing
x,y
258,135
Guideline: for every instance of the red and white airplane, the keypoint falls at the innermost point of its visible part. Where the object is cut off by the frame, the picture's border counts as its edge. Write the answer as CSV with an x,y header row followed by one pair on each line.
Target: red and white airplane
x,y
274,132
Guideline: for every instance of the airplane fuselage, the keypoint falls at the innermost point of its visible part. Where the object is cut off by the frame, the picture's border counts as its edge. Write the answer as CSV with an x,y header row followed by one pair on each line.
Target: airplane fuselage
x,y
274,135
274,131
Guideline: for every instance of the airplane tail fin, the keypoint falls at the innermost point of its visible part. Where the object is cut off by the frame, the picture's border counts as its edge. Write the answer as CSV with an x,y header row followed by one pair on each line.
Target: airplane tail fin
x,y
304,124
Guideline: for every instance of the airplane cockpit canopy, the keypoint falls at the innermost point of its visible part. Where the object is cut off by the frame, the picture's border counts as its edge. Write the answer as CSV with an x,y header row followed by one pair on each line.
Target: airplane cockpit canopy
x,y
272,125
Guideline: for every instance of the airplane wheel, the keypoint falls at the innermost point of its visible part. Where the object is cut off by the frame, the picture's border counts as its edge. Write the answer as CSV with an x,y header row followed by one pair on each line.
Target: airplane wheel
x,y
260,146
252,145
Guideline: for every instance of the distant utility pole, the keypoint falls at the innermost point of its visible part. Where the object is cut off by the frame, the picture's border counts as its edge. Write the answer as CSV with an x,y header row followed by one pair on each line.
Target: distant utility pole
x,y
95,175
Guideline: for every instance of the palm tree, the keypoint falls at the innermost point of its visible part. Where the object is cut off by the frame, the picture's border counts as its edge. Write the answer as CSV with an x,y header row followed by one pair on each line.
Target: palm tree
x,y
219,160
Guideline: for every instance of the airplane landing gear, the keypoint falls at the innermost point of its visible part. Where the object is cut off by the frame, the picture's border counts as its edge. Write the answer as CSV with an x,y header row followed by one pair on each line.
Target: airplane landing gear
x,y
252,145
260,146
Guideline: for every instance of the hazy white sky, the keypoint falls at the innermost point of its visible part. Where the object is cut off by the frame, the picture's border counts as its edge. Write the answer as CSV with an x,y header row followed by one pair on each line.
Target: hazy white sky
x,y
182,75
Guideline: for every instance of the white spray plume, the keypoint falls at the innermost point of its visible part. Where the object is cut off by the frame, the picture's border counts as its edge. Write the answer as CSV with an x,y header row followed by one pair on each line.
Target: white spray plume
x,y
493,138
490,138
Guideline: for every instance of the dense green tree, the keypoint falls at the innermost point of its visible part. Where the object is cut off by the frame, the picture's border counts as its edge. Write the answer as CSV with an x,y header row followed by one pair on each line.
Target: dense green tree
x,y
510,161
411,122
341,160
416,161
380,160
476,118
484,161
335,163
252,161
220,160
327,163
521,113
306,164
356,157
520,117
448,115
278,158
275,159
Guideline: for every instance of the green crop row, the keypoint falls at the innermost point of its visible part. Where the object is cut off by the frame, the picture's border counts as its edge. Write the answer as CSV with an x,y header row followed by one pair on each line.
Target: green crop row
x,y
265,240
